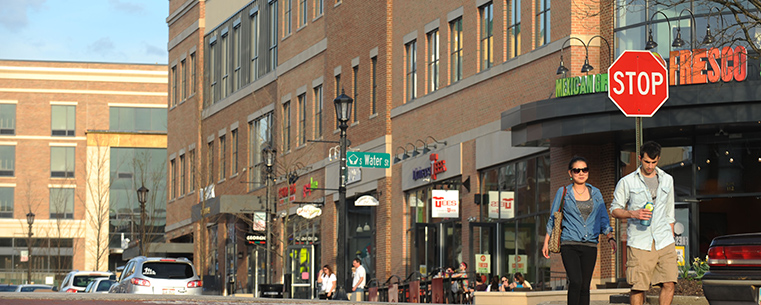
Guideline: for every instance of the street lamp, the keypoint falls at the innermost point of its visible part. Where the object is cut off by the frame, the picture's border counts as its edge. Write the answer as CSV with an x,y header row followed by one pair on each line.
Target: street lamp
x,y
29,221
269,162
141,192
343,113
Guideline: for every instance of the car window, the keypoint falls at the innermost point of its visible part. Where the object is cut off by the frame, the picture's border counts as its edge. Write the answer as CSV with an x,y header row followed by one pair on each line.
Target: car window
x,y
167,270
83,280
89,287
65,280
104,285
8,288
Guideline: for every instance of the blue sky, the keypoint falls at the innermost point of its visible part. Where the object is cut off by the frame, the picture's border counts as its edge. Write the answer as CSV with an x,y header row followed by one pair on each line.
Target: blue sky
x,y
117,31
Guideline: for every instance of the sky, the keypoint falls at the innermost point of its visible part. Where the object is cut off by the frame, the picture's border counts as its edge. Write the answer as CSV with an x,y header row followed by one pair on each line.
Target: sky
x,y
114,31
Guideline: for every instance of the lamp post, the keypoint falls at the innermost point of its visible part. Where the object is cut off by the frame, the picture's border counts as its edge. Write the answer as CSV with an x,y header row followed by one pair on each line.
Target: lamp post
x,y
29,221
141,192
343,113
269,162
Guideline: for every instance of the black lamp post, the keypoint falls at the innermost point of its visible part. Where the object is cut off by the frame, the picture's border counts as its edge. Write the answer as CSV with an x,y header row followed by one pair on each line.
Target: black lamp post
x,y
141,192
29,221
269,162
343,113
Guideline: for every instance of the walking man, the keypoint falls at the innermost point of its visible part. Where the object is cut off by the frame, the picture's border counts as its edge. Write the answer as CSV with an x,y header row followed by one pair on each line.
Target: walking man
x,y
358,282
645,198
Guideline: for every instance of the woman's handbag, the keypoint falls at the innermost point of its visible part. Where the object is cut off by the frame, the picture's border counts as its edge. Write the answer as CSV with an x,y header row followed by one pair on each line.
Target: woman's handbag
x,y
554,244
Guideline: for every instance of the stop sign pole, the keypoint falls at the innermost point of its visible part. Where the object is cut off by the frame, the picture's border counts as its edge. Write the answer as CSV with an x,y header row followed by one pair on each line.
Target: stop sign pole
x,y
638,86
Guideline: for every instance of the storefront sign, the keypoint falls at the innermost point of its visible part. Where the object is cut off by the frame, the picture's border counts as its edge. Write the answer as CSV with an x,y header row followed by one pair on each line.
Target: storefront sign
x,y
366,201
307,189
256,239
517,263
287,193
726,64
259,221
578,85
483,263
437,167
309,211
501,205
446,204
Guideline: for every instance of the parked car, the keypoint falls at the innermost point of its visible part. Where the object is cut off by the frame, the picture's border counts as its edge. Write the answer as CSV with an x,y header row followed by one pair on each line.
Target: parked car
x,y
33,287
100,285
8,288
156,275
76,281
735,270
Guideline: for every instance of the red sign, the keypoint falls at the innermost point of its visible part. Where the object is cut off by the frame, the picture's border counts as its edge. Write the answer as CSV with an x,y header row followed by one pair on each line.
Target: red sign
x,y
701,66
638,83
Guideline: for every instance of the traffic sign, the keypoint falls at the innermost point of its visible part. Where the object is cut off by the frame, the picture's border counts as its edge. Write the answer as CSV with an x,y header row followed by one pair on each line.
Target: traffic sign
x,y
638,83
368,159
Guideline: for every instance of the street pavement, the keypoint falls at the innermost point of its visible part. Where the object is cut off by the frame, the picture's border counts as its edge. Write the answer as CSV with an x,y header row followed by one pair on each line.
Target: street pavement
x,y
54,298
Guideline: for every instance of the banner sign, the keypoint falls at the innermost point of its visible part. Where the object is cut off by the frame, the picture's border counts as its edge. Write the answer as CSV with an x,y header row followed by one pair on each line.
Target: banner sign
x,y
446,204
501,205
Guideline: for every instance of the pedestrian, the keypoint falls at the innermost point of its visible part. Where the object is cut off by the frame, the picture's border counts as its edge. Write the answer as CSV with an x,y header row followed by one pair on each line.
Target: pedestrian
x,y
519,282
358,282
585,217
328,280
645,198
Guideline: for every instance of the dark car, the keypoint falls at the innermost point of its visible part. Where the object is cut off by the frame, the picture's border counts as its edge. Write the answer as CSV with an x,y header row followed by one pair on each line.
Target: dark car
x,y
735,274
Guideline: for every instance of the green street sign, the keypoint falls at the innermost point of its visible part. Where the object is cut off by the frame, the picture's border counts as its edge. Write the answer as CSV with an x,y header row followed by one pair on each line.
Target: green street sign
x,y
368,159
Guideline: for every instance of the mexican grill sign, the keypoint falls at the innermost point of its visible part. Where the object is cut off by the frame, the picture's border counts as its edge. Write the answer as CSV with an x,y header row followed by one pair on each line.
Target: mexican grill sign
x,y
638,83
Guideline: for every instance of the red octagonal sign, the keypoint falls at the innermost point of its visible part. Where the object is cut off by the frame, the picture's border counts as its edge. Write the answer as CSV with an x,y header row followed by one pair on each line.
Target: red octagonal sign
x,y
638,83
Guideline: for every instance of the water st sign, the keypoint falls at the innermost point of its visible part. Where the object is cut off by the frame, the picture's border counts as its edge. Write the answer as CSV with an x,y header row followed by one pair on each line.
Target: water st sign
x,y
368,159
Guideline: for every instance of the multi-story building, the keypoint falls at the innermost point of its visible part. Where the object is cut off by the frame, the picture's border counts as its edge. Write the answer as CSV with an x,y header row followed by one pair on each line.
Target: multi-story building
x,y
77,140
465,96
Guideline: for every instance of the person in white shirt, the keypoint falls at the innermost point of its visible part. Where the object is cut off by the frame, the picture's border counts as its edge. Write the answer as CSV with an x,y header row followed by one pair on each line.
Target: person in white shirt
x,y
358,283
328,280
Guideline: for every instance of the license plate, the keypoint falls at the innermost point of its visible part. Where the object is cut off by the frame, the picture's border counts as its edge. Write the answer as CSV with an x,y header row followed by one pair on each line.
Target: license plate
x,y
168,291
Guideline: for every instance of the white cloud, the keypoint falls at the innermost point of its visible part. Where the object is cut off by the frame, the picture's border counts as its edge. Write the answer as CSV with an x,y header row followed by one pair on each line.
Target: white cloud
x,y
13,14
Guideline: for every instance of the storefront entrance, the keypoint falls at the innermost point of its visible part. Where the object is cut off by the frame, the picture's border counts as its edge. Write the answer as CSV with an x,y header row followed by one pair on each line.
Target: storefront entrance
x,y
256,265
438,246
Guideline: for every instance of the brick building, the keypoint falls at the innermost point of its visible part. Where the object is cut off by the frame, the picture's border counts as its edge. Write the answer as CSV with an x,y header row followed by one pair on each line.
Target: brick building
x,y
466,98
75,139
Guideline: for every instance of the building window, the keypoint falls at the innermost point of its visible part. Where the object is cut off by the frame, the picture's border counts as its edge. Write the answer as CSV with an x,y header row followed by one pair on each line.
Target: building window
x,y
7,160
286,126
455,40
193,168
222,157
254,47
318,112
173,183
61,203
234,147
338,92
287,22
236,58
137,119
259,137
374,92
303,12
174,96
433,61
542,22
183,185
212,73
302,119
411,70
63,120
319,8
192,73
210,162
487,35
7,119
6,202
184,73
514,30
355,90
62,162
223,88
273,35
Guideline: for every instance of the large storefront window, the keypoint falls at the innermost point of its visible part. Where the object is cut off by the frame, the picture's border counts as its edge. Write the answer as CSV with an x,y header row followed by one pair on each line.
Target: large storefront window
x,y
436,241
514,212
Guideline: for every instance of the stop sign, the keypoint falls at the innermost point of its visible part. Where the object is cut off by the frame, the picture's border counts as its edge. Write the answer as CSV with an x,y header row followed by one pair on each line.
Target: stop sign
x,y
638,83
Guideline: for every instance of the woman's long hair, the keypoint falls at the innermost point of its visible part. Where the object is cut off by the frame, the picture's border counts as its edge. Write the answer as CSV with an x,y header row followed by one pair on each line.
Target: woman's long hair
x,y
330,271
519,278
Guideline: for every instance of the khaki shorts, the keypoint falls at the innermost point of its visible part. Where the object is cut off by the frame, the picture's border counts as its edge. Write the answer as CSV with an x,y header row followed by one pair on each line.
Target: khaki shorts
x,y
644,268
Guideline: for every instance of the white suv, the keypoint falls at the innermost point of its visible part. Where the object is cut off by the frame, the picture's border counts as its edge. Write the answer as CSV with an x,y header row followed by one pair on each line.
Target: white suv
x,y
157,275
76,281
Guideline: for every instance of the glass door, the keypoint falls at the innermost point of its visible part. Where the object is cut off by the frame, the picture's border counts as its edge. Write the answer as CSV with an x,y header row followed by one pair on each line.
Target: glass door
x,y
483,241
427,255
256,265
301,267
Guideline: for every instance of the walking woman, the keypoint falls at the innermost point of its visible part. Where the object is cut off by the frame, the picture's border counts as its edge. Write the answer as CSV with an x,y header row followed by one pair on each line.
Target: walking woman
x,y
328,279
585,217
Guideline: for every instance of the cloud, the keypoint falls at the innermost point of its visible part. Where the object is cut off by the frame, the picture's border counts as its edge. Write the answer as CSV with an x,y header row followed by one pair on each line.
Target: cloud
x,y
14,14
103,47
126,7
154,50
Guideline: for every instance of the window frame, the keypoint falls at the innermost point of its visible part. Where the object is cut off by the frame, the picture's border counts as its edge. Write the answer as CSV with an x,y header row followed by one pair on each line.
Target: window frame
x,y
5,170
254,45
455,41
514,29
55,209
302,100
433,60
222,157
69,154
486,33
318,106
543,22
70,120
8,128
287,126
6,206
355,92
234,152
411,70
182,183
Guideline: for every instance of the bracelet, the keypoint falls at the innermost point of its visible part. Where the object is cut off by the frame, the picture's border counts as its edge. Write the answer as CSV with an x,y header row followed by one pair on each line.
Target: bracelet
x,y
613,239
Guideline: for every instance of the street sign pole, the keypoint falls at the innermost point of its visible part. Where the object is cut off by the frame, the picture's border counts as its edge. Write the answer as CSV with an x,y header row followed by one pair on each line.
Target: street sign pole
x,y
638,137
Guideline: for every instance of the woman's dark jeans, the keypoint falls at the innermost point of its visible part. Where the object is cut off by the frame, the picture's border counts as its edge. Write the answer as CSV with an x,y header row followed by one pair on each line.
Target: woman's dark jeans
x,y
579,262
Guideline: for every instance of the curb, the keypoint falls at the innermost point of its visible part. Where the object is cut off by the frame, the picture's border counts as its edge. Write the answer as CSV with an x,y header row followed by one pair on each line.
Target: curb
x,y
652,299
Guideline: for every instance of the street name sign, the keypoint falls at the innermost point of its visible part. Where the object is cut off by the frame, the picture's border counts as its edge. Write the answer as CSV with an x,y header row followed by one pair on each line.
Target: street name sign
x,y
368,159
638,83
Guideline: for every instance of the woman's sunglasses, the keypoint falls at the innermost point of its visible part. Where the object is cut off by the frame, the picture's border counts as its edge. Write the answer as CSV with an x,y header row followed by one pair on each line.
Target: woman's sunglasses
x,y
578,170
